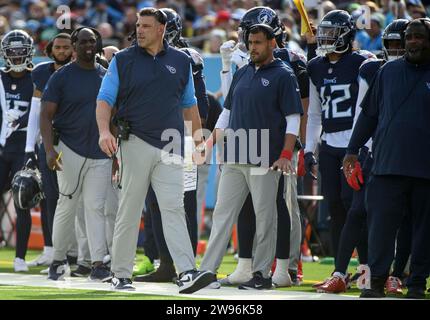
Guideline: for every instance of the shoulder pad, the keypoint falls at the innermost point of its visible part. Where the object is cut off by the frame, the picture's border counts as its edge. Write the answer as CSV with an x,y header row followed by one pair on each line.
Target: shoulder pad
x,y
195,56
365,54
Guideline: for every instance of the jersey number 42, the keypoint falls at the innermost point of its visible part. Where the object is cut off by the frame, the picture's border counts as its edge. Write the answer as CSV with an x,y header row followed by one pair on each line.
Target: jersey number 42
x,y
332,101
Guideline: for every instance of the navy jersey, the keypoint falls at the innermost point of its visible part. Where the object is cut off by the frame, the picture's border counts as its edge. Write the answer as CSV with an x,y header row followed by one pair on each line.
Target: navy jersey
x,y
199,82
337,86
399,101
75,90
259,100
298,63
369,68
18,94
41,74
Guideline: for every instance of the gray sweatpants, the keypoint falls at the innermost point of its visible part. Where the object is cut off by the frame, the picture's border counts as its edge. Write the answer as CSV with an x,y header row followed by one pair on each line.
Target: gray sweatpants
x,y
84,256
89,179
236,182
111,208
290,193
143,164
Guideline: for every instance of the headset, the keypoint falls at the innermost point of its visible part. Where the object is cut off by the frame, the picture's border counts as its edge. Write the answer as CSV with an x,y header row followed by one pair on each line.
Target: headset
x,y
99,41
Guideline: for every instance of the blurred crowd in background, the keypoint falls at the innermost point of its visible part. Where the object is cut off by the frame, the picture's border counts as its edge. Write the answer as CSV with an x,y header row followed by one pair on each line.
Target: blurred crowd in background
x,y
207,23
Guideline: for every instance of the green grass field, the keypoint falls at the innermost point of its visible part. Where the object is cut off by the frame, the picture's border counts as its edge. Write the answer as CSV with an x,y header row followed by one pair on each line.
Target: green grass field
x,y
313,272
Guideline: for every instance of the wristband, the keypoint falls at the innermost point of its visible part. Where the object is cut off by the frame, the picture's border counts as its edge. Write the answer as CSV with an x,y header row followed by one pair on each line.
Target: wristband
x,y
287,154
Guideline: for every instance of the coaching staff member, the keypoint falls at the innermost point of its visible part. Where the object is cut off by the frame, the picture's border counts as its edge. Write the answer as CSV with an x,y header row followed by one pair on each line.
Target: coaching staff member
x,y
263,96
151,84
396,111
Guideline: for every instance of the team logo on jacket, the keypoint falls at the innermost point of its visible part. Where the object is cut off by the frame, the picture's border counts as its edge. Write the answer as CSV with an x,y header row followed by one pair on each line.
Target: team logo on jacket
x,y
265,82
171,69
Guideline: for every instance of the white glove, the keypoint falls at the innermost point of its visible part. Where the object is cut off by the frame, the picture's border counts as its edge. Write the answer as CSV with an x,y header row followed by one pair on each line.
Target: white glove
x,y
11,129
13,115
240,56
226,51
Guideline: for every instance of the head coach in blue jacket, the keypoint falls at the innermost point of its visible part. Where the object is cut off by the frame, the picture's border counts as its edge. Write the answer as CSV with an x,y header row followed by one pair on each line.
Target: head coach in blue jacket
x,y
151,86
396,112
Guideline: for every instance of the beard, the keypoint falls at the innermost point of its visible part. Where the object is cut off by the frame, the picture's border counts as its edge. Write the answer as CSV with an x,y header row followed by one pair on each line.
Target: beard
x,y
62,62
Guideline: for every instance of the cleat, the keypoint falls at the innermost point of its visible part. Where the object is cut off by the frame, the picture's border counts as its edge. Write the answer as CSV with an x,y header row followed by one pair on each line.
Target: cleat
x,y
143,267
393,286
19,265
334,284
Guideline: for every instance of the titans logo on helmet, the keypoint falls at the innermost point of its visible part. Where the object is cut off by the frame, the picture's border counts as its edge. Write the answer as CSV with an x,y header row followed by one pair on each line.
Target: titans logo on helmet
x,y
265,16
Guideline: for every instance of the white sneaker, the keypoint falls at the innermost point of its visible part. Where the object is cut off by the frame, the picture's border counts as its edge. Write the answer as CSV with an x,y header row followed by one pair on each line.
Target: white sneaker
x,y
19,265
44,271
282,279
45,259
214,285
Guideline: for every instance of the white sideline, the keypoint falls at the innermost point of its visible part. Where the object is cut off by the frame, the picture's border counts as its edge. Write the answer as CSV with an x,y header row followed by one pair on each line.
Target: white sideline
x,y
165,289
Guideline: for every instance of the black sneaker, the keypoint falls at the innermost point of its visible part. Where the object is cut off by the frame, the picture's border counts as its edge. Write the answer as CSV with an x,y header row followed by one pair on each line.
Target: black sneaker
x,y
72,260
193,280
58,270
122,284
258,282
415,293
165,273
100,273
377,289
81,272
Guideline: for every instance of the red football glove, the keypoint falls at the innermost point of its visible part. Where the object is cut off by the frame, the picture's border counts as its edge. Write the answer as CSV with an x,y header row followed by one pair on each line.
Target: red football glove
x,y
301,171
355,180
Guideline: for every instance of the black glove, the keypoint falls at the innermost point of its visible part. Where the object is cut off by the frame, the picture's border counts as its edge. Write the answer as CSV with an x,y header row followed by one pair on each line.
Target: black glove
x,y
310,161
30,160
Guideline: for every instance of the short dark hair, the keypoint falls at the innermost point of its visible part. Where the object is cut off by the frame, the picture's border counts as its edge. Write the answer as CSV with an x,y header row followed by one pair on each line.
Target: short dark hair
x,y
48,48
265,29
159,15
421,21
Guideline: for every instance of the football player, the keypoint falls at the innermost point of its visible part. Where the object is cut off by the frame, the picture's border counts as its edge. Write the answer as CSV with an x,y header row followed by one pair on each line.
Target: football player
x,y
16,90
355,228
333,91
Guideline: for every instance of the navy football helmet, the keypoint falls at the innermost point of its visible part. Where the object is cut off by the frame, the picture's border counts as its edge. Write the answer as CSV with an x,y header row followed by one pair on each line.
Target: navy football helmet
x,y
17,50
27,188
173,26
393,39
261,15
335,33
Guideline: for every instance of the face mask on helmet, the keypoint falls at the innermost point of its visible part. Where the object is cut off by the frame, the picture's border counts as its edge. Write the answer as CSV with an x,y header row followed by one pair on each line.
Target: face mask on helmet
x,y
17,51
171,37
392,46
330,39
27,188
